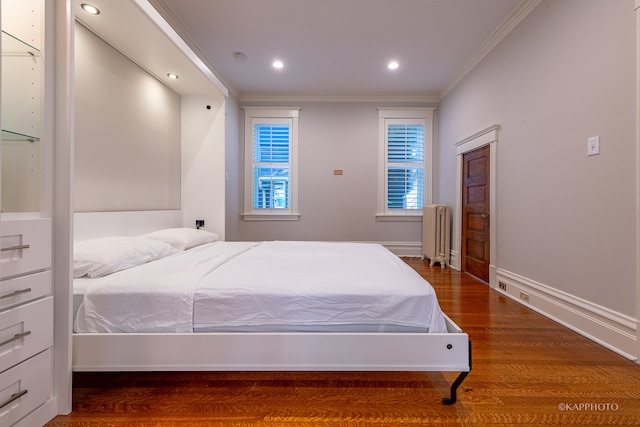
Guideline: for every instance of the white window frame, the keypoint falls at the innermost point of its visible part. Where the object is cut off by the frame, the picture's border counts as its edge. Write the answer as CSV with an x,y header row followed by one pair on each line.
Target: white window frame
x,y
259,114
385,116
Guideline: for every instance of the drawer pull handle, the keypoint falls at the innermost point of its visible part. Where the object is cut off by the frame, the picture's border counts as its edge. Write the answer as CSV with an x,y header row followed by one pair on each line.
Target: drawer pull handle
x,y
16,337
15,248
16,293
14,396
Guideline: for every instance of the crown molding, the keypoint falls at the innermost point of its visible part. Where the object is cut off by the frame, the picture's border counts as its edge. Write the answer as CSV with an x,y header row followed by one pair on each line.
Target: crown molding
x,y
492,41
336,97
166,13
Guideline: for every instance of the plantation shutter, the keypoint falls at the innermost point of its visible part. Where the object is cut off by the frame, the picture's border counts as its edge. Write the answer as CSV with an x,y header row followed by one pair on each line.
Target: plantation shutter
x,y
405,166
271,165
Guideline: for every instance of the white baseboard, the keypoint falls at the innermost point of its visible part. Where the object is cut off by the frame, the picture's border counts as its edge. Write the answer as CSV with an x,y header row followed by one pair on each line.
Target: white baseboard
x,y
613,330
414,249
404,249
455,260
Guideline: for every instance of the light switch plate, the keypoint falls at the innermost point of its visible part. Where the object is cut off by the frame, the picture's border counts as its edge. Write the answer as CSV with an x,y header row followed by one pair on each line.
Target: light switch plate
x,y
593,146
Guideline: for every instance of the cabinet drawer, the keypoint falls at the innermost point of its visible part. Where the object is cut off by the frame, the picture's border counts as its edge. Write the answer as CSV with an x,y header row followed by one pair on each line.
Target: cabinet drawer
x,y
25,331
25,387
25,246
25,288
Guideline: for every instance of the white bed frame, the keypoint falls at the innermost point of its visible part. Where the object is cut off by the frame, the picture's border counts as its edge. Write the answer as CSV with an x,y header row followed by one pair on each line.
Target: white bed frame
x,y
265,351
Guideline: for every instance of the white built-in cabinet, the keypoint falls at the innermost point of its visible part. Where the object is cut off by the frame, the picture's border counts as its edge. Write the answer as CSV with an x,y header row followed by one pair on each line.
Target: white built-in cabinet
x,y
27,395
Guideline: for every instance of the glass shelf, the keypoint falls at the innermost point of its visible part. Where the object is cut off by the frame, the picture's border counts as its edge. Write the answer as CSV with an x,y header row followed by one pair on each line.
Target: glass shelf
x,y
24,158
12,45
7,135
21,68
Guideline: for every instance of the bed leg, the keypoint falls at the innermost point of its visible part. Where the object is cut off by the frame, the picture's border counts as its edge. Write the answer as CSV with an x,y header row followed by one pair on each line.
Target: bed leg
x,y
454,387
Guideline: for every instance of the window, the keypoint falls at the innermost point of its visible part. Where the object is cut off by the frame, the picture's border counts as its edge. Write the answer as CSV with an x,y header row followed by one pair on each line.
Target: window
x,y
405,165
271,165
271,136
405,161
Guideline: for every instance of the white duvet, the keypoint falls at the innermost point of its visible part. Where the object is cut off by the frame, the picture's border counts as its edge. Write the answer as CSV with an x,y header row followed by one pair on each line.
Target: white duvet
x,y
250,286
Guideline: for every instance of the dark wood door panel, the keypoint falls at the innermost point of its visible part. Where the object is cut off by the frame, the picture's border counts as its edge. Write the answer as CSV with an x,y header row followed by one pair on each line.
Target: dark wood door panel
x,y
476,222
477,194
475,213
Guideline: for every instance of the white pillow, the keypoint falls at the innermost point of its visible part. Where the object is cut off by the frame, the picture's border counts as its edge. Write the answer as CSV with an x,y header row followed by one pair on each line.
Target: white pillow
x,y
106,255
182,238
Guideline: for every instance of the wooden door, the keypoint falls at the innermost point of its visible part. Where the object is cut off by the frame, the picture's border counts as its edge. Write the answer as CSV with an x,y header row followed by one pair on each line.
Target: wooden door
x,y
475,213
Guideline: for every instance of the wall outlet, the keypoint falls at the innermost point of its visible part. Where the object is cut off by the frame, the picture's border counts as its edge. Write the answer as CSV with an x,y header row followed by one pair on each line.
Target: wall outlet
x,y
502,286
199,223
524,297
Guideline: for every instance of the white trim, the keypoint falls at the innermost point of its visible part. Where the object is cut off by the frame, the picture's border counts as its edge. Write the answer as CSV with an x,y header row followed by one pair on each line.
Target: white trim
x,y
270,217
488,136
492,41
637,12
454,260
478,139
249,213
62,41
285,112
335,97
405,112
613,330
404,249
422,113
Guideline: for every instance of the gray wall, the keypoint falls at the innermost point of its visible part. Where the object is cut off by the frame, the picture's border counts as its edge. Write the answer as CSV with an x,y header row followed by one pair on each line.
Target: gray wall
x,y
127,136
332,135
565,220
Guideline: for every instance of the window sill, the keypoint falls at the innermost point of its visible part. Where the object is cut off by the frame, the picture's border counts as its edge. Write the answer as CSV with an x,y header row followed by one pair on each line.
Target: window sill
x,y
270,217
399,218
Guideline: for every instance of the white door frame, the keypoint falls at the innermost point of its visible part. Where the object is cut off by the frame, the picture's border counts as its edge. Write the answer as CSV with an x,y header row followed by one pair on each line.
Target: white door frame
x,y
488,136
637,10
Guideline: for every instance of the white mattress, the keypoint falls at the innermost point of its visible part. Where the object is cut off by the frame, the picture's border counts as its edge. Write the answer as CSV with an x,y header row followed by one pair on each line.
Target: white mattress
x,y
264,286
80,286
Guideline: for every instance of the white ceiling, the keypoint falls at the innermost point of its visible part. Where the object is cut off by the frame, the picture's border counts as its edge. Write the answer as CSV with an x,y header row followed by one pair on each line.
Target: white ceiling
x,y
331,47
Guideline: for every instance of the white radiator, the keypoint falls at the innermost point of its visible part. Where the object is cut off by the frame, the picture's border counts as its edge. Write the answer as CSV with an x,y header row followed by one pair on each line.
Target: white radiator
x,y
436,234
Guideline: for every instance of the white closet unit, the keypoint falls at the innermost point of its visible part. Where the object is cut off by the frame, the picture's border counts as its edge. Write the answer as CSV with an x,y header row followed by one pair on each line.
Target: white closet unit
x,y
28,395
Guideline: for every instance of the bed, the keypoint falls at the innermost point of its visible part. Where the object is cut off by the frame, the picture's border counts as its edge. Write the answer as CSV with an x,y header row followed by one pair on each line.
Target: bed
x,y
252,305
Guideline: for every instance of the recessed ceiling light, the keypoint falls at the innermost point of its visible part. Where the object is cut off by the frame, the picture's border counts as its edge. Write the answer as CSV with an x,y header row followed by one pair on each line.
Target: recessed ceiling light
x,y
393,65
172,76
90,9
277,64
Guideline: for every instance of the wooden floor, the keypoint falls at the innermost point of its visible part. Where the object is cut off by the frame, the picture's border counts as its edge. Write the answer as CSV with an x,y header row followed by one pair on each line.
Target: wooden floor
x,y
527,371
